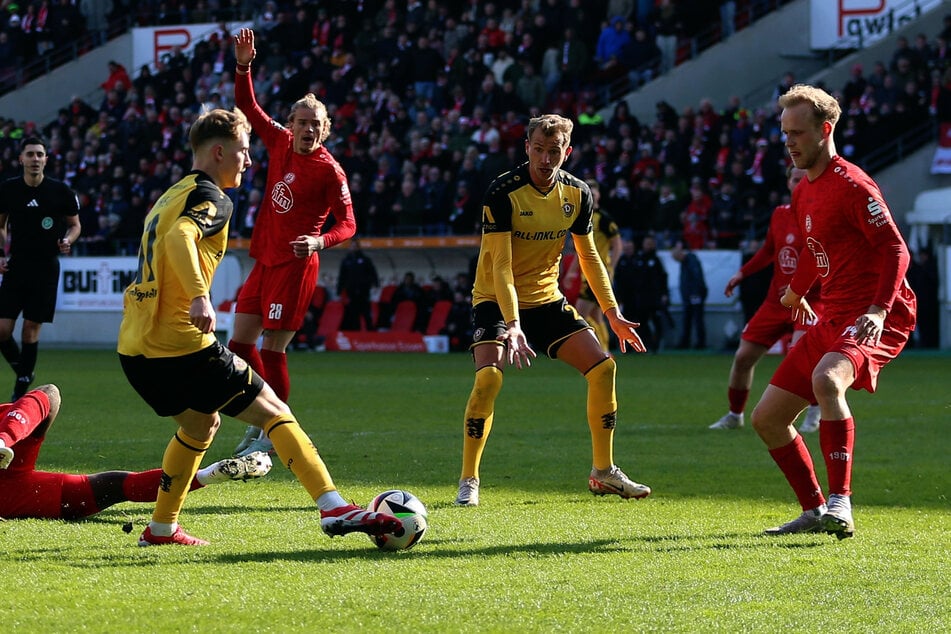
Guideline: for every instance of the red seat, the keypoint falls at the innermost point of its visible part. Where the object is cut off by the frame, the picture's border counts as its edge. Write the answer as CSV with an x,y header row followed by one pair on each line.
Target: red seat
x,y
330,319
404,316
319,298
437,318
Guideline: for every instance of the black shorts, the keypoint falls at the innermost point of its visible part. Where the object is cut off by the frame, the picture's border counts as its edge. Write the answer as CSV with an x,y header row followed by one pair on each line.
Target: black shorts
x,y
211,380
30,289
546,327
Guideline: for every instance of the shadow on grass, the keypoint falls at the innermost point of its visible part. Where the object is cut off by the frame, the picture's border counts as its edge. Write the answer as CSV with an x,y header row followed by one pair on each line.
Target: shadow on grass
x,y
432,549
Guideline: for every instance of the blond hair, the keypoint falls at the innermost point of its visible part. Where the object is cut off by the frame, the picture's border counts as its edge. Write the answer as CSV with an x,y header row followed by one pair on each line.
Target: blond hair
x,y
217,124
311,101
824,106
550,125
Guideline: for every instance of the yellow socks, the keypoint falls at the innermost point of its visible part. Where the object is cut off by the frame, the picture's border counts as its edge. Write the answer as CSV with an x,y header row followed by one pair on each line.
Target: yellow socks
x,y
179,464
479,414
602,412
299,455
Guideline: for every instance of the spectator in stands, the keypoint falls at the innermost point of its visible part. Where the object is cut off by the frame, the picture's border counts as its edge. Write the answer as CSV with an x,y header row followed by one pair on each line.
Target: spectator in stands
x,y
459,322
607,52
356,279
667,25
639,57
409,290
651,294
696,218
693,295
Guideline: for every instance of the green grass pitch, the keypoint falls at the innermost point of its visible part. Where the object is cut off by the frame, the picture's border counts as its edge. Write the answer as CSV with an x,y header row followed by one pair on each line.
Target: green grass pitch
x,y
540,554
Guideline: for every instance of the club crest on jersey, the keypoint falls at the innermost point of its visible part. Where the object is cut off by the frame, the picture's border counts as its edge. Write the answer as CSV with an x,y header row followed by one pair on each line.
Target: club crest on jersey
x,y
822,260
568,208
282,197
47,223
787,258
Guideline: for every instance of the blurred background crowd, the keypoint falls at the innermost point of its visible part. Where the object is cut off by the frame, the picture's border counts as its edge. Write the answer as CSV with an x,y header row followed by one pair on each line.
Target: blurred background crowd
x,y
429,103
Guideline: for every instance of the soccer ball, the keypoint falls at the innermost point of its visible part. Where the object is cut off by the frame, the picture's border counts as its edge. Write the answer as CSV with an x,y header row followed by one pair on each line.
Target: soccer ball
x,y
408,509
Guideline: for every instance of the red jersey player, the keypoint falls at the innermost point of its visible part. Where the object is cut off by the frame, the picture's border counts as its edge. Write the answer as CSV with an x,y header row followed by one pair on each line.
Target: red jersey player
x,y
771,321
854,248
305,184
26,492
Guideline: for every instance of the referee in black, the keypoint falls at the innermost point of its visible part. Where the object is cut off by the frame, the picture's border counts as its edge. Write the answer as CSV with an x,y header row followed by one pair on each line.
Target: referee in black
x,y
39,219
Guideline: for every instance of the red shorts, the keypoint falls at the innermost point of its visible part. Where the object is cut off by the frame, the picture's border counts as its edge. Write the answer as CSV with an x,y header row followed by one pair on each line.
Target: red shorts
x,y
280,294
794,374
771,322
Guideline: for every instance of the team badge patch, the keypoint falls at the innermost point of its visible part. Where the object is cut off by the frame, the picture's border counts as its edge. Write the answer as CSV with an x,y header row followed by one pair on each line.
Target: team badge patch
x,y
47,223
568,208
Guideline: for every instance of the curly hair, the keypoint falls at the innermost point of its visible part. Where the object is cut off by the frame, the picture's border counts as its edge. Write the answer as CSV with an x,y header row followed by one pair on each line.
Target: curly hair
x,y
311,101
550,125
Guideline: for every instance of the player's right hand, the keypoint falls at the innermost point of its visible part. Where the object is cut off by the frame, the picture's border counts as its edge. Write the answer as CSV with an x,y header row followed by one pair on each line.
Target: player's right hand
x,y
244,51
732,283
517,350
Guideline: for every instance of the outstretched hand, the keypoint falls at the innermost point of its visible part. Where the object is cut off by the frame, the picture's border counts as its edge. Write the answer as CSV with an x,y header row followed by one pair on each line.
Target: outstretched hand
x,y
625,331
517,350
244,51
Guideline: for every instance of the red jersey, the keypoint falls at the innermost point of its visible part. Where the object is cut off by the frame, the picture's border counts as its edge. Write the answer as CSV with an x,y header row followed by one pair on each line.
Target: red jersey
x,y
781,248
852,246
301,191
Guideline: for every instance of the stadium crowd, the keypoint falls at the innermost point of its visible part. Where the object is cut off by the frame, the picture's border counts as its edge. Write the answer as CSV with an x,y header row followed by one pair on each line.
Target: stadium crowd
x,y
429,102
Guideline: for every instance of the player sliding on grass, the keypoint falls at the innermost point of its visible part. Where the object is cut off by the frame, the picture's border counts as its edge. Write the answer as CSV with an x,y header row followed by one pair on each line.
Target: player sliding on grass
x,y
853,246
526,216
171,357
26,492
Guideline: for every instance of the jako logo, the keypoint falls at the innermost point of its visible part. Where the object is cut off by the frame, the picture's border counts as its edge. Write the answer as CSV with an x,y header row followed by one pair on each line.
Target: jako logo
x,y
526,213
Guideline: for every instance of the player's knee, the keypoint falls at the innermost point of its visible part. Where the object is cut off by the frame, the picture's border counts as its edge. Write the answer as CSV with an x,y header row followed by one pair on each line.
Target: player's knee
x,y
826,383
603,373
54,398
488,383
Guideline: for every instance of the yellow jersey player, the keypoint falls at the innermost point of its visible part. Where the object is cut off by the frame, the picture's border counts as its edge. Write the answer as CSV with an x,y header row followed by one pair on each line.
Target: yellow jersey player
x,y
607,240
171,357
527,215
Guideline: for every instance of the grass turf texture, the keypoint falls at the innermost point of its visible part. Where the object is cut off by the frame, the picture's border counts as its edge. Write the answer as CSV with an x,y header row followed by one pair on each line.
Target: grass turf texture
x,y
541,553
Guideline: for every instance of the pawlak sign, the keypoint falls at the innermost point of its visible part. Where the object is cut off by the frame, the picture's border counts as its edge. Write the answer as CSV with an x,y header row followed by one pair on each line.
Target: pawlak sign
x,y
858,23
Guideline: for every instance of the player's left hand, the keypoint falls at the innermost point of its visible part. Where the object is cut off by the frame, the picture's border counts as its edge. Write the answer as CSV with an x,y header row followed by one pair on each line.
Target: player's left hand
x,y
64,246
869,327
305,246
625,331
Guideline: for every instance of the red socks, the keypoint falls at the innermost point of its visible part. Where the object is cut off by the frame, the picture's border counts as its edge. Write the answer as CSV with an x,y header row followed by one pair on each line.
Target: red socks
x,y
275,373
248,352
737,399
20,421
837,440
795,462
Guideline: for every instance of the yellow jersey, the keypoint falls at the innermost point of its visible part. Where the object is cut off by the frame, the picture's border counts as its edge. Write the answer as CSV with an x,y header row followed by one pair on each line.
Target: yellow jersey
x,y
538,224
185,237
